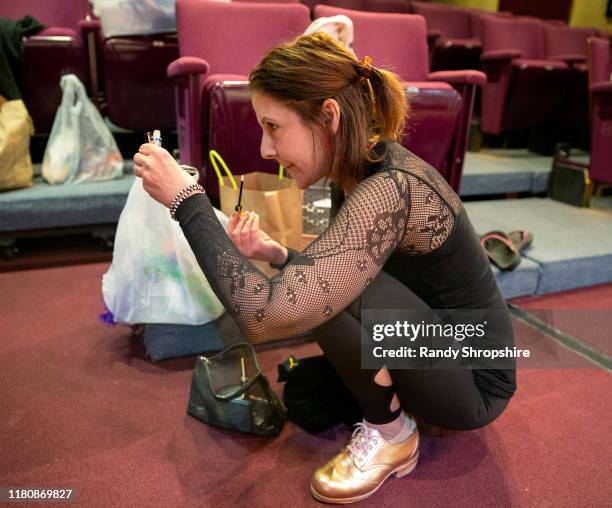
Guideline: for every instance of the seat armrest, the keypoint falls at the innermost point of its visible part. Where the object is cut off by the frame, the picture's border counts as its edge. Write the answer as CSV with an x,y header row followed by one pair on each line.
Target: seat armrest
x,y
570,58
89,25
500,54
469,77
602,87
187,65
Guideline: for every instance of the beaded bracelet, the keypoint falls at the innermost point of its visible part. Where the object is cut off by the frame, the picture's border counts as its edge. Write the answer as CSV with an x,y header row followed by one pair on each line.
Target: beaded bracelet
x,y
182,196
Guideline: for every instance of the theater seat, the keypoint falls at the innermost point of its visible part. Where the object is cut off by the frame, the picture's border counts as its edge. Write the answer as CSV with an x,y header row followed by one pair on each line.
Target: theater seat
x,y
569,44
218,44
137,92
600,87
524,88
452,43
57,50
441,102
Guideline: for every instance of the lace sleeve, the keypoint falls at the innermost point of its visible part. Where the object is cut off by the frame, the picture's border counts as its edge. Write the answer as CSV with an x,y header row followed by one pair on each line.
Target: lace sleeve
x,y
320,281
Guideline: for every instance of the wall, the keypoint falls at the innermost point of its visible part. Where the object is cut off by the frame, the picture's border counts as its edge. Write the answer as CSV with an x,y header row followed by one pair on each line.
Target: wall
x,y
591,13
485,5
583,12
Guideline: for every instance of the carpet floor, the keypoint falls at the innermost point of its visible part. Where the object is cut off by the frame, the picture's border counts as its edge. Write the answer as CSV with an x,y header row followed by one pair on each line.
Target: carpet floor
x,y
584,314
82,407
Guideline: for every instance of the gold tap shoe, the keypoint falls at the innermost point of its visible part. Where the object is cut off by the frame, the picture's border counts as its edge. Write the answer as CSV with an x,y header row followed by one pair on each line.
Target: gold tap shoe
x,y
363,465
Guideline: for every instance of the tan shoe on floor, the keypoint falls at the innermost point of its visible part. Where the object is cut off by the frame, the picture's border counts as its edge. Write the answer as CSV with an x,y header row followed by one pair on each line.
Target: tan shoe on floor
x,y
363,465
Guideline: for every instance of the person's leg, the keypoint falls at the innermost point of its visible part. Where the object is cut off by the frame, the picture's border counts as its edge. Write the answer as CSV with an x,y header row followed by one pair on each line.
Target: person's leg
x,y
340,340
385,444
447,398
371,388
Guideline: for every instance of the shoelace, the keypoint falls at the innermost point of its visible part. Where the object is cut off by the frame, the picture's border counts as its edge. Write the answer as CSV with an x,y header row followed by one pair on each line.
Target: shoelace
x,y
363,441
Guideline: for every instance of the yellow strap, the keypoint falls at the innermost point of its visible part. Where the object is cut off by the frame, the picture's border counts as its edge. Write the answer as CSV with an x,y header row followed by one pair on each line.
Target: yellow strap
x,y
214,157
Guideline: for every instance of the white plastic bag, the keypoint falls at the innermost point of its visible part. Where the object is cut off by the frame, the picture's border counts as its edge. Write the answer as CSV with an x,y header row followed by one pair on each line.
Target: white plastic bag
x,y
135,17
81,147
154,276
340,27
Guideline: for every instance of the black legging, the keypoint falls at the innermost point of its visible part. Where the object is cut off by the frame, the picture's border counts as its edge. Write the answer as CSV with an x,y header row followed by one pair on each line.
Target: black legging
x,y
446,398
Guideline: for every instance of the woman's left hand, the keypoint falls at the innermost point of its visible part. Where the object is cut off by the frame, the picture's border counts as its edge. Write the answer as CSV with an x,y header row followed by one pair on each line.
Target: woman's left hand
x,y
162,177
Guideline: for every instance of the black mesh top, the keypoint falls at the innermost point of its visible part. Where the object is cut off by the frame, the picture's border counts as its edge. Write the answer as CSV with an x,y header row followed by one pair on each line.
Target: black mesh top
x,y
402,216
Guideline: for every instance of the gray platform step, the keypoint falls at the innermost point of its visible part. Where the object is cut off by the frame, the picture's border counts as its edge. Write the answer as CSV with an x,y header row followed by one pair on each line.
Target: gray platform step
x,y
572,246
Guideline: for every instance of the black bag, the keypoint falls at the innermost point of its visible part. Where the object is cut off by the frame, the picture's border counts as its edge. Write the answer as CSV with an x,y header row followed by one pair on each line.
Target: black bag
x,y
314,395
228,390
569,180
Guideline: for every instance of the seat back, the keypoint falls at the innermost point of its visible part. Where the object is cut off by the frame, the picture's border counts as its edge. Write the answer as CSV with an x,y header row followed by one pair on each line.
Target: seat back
x,y
233,37
397,42
452,22
53,13
401,6
599,60
223,34
521,33
600,71
268,1
142,100
53,52
565,40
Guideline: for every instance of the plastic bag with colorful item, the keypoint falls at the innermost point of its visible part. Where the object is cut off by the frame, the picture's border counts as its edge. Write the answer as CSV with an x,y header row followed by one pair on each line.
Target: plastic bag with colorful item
x,y
154,276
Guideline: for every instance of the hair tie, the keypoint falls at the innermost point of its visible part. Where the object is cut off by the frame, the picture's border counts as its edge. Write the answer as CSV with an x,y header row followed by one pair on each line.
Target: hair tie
x,y
365,68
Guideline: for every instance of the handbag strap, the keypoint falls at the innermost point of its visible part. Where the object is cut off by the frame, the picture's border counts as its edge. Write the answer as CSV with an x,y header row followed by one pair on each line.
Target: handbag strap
x,y
215,157
230,396
258,377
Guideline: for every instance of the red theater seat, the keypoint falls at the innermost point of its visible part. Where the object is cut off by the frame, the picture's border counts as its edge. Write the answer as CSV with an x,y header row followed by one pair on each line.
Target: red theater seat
x,y
453,44
440,113
137,92
600,85
569,44
219,45
524,88
57,50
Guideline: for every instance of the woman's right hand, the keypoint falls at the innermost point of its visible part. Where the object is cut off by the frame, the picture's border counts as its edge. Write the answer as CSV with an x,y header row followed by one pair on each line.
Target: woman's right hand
x,y
252,242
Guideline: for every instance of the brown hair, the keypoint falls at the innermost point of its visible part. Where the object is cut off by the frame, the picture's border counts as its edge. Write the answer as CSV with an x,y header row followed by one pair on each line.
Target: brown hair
x,y
305,72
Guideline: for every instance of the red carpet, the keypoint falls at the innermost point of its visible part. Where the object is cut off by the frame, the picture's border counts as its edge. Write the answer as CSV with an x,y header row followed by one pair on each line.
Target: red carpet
x,y
83,408
585,314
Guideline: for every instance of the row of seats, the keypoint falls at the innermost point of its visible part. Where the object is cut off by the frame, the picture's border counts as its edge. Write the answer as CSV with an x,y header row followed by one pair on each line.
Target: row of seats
x,y
213,105
217,46
73,42
536,69
455,34
536,73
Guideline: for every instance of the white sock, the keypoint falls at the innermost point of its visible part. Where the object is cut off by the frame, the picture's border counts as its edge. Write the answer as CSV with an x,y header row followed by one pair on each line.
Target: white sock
x,y
398,430
407,429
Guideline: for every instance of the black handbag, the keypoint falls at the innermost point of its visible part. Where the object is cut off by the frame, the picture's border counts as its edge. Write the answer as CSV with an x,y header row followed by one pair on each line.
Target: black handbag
x,y
569,180
228,390
314,395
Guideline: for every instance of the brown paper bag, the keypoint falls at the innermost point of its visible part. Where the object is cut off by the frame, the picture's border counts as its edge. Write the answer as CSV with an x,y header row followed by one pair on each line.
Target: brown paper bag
x,y
15,131
278,202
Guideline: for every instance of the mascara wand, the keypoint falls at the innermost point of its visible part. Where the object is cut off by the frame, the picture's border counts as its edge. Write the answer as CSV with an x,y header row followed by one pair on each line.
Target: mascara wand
x,y
238,207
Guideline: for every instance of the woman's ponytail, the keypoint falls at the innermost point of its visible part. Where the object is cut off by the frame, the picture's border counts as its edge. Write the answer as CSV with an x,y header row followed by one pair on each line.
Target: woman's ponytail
x,y
390,106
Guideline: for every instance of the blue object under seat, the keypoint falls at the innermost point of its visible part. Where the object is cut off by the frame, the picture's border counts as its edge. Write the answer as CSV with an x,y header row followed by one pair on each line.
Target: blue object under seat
x,y
45,206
